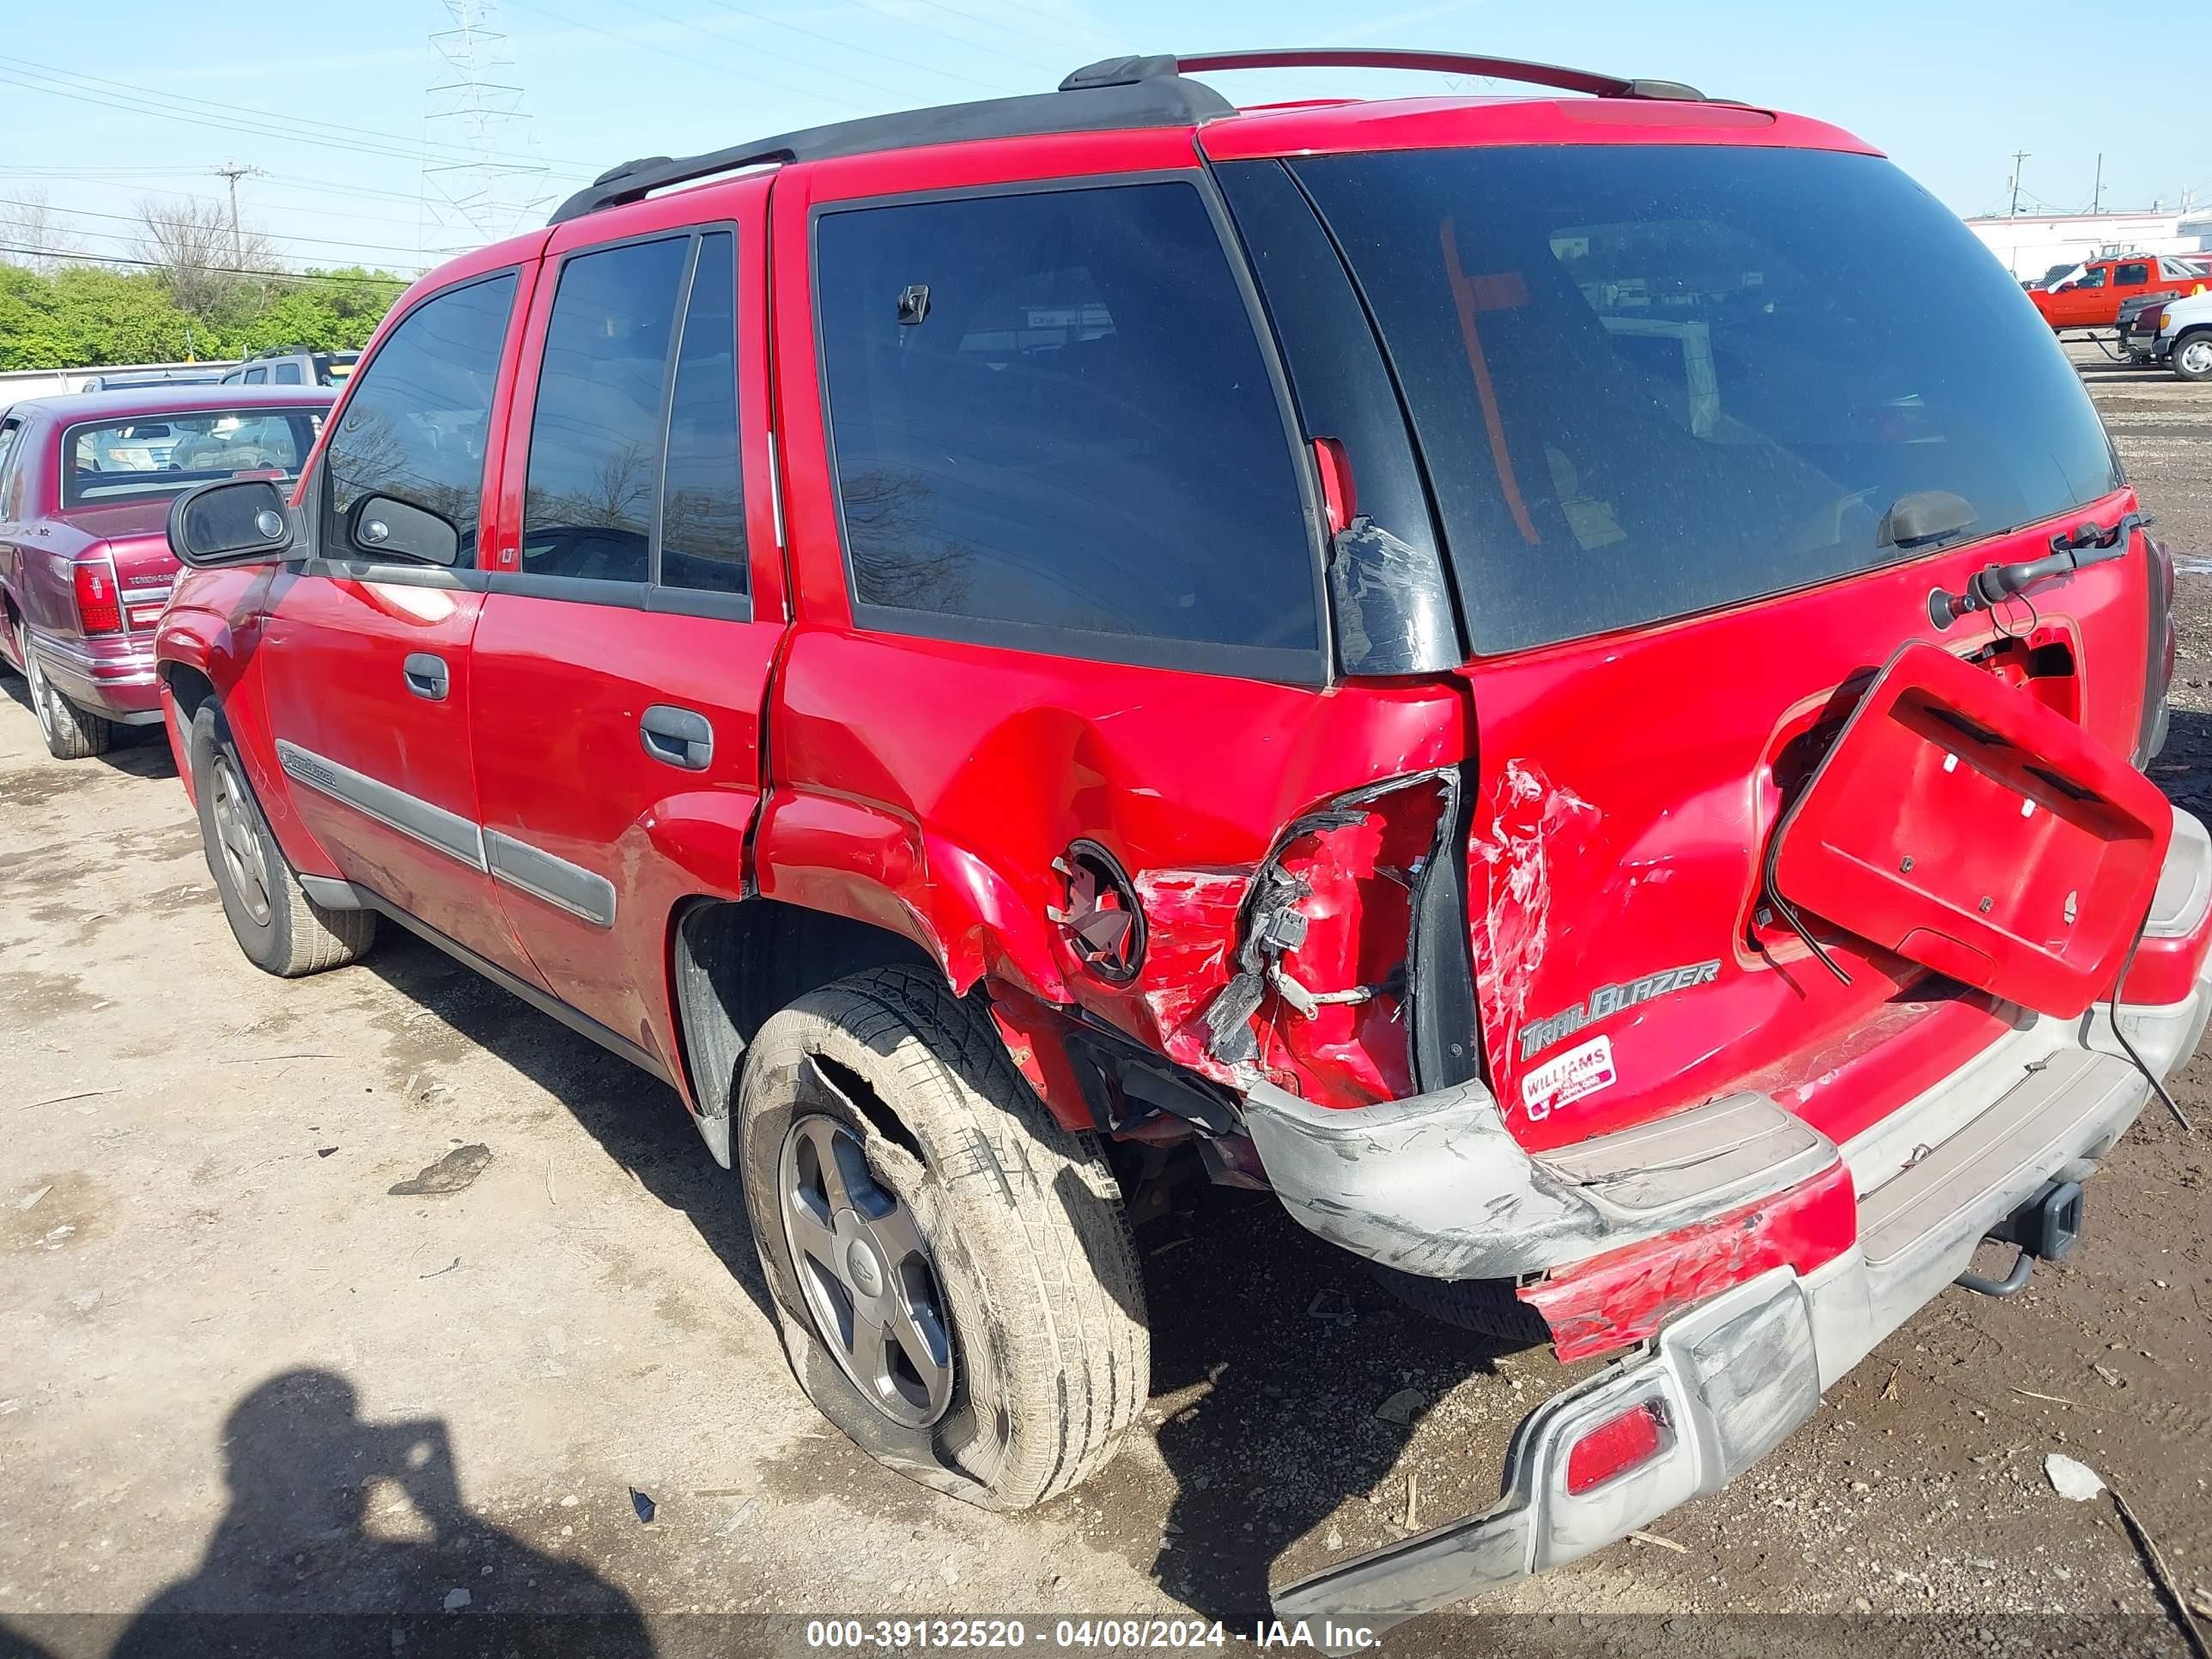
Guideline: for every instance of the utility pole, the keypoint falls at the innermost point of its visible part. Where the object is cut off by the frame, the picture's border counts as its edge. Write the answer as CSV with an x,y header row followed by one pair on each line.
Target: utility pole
x,y
2097,192
231,172
2018,156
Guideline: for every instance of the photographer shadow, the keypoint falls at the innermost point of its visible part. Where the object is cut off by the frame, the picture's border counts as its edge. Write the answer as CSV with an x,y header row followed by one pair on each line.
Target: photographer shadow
x,y
294,1567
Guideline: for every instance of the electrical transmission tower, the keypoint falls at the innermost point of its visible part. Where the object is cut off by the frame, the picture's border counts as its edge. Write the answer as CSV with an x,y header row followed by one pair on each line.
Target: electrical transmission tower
x,y
481,181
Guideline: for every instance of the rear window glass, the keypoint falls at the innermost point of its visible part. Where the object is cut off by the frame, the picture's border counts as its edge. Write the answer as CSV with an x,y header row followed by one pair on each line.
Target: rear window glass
x,y
1053,428
1649,380
166,455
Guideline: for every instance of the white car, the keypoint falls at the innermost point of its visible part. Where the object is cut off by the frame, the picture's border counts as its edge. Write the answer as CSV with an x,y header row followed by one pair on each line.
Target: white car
x,y
2184,338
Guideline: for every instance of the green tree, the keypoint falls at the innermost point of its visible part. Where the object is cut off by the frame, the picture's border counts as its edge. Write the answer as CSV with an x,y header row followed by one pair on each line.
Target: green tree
x,y
92,316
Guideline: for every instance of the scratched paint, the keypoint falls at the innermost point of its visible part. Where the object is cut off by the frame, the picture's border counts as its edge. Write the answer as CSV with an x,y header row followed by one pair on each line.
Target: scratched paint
x,y
1533,825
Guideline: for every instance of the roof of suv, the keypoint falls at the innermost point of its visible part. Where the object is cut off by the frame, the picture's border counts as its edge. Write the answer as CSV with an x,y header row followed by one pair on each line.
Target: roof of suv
x,y
1124,94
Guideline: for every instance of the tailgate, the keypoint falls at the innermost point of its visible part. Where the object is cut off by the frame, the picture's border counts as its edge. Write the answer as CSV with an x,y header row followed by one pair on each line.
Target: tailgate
x,y
1974,830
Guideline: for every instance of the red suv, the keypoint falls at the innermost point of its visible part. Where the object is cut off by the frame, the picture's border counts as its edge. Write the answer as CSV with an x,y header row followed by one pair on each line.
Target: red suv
x,y
1462,659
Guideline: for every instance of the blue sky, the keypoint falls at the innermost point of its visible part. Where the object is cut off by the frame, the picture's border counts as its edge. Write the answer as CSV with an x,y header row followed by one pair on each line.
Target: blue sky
x,y
150,101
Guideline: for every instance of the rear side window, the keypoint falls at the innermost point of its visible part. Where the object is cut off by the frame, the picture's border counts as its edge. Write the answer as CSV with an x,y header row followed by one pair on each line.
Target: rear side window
x,y
702,512
415,428
1653,380
286,375
595,432
1053,427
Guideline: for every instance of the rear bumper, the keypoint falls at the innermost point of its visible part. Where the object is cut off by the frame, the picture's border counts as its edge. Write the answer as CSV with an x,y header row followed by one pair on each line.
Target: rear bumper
x,y
111,676
1736,1372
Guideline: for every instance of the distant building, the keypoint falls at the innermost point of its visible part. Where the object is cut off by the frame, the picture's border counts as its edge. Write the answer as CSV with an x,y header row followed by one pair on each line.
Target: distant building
x,y
2031,245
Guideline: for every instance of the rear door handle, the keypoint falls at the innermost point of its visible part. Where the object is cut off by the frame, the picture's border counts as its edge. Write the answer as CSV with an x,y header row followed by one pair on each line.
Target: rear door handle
x,y
427,676
677,737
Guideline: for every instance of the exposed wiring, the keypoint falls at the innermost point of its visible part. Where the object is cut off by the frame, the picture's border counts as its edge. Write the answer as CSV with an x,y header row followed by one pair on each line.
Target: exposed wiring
x,y
2155,1081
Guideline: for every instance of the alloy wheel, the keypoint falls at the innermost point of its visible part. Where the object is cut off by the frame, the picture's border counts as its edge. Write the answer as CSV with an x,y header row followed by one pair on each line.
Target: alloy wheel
x,y
239,841
864,1269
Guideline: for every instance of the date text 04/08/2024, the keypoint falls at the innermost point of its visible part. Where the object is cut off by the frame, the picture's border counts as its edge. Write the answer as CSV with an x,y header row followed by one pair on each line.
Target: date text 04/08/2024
x,y
894,1635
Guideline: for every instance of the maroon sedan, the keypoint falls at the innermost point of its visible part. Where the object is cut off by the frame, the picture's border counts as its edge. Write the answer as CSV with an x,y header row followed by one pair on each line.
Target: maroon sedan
x,y
85,568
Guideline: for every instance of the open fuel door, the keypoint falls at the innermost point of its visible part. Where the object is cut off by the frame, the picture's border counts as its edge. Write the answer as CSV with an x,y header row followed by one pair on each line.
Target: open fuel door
x,y
1969,829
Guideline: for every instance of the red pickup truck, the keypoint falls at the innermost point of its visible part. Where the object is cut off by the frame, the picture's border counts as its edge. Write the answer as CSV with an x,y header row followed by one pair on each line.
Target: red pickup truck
x,y
85,486
1445,658
2091,297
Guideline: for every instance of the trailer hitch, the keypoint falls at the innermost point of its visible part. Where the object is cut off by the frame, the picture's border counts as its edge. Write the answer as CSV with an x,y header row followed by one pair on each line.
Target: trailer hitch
x,y
2043,1228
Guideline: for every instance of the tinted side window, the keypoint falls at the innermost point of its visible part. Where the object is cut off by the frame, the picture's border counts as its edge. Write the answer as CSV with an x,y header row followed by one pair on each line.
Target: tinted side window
x,y
2128,274
287,374
257,376
8,436
702,512
1049,409
595,435
415,428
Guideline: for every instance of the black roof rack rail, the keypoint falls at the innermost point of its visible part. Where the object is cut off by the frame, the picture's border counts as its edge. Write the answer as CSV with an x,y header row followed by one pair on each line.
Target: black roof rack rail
x,y
1114,92
1111,72
1157,101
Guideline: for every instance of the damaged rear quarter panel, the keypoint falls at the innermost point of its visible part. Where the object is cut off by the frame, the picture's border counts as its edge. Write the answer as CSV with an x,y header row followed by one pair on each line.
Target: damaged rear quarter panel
x,y
928,786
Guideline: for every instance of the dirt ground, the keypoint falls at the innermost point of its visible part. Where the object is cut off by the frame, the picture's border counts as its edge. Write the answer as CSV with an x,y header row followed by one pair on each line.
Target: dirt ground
x,y
240,1373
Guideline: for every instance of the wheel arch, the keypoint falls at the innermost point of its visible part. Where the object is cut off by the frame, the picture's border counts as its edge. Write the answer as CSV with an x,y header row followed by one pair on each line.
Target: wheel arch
x,y
733,963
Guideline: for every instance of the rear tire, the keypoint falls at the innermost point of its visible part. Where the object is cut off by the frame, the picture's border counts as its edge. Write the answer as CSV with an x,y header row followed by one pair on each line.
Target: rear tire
x,y
999,1232
280,928
2192,354
70,733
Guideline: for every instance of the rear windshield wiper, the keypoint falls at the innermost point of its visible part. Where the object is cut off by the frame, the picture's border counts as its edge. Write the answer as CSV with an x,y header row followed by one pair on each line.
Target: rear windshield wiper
x,y
2088,543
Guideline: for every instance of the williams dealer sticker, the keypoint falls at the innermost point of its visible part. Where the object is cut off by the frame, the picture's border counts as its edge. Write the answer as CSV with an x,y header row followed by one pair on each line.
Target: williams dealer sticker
x,y
1581,1071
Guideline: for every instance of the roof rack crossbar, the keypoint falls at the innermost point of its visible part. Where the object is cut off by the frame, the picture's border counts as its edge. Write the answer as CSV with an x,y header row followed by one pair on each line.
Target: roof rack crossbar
x,y
1116,92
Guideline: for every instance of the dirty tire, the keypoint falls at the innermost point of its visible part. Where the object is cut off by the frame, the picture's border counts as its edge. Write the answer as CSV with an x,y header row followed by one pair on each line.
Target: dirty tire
x,y
280,928
1051,1358
1485,1306
2192,354
70,733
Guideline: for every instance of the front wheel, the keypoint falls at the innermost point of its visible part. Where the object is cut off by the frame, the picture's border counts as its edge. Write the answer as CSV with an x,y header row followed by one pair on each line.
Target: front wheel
x,y
70,733
2192,356
954,1276
280,928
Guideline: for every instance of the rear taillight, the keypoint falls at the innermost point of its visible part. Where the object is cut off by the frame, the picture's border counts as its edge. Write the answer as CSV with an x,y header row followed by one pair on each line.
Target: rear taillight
x,y
2151,321
98,610
1614,1446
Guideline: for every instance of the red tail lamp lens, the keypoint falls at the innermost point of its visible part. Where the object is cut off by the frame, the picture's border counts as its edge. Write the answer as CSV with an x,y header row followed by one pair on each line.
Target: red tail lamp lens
x,y
97,610
1615,1446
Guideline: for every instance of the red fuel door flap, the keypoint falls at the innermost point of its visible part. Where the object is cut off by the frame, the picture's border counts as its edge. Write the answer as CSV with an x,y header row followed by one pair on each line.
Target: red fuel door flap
x,y
1966,826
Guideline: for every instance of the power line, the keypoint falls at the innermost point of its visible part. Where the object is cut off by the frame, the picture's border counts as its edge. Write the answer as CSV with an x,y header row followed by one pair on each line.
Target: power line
x,y
228,111
225,271
688,59
134,219
258,129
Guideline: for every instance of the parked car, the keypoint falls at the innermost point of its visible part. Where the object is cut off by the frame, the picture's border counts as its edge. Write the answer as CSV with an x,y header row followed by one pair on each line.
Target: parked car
x,y
2183,336
2091,297
293,366
86,481
1466,661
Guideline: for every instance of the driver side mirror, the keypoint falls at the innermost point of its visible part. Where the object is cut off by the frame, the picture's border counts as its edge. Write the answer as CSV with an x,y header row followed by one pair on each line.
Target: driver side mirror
x,y
232,521
384,527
